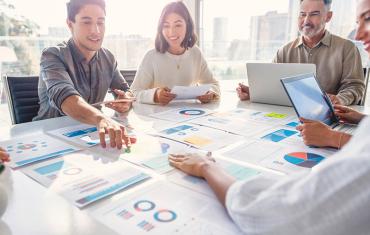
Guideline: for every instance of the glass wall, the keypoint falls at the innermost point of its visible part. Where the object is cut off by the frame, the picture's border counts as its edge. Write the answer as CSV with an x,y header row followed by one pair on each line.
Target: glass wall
x,y
237,31
26,28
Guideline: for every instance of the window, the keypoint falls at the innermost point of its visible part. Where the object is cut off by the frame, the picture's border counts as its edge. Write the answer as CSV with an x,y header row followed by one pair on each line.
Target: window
x,y
236,31
27,27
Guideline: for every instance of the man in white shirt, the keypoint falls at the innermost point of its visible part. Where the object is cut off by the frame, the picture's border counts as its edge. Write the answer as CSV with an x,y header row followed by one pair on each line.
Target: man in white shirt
x,y
334,198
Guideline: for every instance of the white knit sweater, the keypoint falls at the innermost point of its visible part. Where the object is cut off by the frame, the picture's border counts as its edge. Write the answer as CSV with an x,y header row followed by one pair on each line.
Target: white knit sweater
x,y
167,70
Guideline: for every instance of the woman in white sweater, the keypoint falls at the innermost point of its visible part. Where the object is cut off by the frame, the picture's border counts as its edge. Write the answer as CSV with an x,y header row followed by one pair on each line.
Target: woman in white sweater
x,y
174,61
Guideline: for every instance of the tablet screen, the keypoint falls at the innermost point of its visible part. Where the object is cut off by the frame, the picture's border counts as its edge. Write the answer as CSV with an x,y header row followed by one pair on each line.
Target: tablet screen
x,y
308,99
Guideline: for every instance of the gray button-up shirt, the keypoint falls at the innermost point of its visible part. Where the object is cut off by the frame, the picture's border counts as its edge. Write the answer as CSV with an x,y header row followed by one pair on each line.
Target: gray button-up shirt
x,y
65,72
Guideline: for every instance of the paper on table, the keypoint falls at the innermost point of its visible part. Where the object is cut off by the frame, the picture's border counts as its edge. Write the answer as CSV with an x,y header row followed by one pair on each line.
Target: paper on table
x,y
33,148
190,92
165,208
115,101
82,178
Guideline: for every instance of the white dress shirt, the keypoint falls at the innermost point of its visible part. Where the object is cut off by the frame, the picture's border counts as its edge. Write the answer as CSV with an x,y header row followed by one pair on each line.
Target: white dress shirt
x,y
168,70
334,198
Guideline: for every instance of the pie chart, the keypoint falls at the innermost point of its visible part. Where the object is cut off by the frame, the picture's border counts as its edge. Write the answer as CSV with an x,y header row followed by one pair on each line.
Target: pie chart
x,y
192,112
302,159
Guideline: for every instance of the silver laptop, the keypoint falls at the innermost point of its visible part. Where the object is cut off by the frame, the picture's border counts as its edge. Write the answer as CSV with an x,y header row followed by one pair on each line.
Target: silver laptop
x,y
264,81
311,102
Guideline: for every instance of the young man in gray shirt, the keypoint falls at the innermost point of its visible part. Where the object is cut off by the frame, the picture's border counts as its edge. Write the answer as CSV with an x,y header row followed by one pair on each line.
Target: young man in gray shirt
x,y
78,73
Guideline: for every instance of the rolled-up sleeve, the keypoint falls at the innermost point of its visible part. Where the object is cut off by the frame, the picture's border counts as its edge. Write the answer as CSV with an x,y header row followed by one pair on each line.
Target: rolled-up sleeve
x,y
59,85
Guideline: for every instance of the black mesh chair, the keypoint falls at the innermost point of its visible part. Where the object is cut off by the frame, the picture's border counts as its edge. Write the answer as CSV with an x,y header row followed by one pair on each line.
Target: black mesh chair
x,y
129,75
23,99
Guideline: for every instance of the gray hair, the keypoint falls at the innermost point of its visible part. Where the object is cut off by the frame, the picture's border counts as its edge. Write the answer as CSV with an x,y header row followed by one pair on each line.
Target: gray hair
x,y
326,2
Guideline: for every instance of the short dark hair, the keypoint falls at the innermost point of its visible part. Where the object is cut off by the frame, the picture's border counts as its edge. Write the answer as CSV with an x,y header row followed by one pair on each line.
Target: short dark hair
x,y
74,6
179,8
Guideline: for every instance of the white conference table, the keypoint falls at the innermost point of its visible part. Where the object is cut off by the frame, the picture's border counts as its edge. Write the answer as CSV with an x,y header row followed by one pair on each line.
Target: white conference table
x,y
35,210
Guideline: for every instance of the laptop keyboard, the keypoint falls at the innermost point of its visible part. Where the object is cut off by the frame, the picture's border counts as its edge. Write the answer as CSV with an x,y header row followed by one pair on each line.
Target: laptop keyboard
x,y
349,129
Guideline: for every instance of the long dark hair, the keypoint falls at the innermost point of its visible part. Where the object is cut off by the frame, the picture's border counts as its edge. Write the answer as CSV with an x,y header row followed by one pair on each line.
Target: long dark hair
x,y
179,8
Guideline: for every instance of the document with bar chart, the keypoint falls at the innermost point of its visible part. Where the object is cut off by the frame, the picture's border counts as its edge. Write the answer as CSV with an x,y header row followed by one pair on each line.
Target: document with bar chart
x,y
231,124
269,118
201,137
35,148
165,208
84,135
82,178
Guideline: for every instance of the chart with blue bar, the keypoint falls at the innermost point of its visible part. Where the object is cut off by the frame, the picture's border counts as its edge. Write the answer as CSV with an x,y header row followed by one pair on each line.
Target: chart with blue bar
x,y
82,179
279,135
84,135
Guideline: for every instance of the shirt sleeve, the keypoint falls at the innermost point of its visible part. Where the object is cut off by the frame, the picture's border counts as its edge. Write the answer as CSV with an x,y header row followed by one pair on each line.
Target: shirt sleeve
x,y
143,82
118,81
329,199
206,76
352,85
59,85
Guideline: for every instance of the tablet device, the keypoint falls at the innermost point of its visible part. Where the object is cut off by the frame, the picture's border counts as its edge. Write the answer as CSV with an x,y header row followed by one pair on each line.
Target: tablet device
x,y
309,100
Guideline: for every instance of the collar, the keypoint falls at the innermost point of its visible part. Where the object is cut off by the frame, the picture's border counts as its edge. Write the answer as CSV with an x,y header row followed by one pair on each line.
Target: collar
x,y
326,40
77,54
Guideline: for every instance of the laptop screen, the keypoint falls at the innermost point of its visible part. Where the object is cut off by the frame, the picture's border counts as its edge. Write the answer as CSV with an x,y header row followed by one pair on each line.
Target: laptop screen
x,y
308,99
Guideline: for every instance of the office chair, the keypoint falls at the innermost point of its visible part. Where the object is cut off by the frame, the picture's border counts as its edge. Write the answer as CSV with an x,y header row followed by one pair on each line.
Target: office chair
x,y
129,75
22,96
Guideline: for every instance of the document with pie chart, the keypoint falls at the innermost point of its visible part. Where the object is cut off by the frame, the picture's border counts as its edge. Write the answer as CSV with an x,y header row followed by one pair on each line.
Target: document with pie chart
x,y
33,148
182,114
83,177
294,159
165,208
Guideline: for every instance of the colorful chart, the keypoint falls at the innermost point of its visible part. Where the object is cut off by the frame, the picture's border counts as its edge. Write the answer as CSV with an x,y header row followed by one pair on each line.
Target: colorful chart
x,y
145,225
192,112
292,124
276,115
124,214
279,135
176,129
307,160
83,132
23,147
165,216
144,205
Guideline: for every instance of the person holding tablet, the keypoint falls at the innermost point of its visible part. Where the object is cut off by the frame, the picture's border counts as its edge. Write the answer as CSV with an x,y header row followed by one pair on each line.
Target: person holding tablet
x,y
333,198
176,60
316,133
